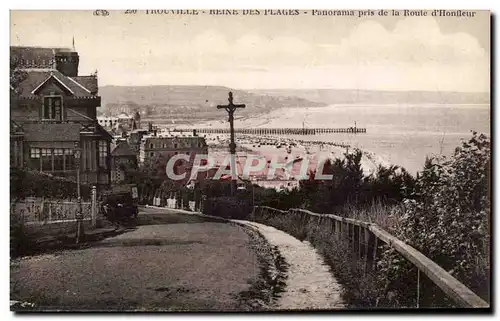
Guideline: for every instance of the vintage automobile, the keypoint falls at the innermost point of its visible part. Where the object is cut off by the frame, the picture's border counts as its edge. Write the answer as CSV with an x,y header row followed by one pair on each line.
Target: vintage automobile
x,y
121,203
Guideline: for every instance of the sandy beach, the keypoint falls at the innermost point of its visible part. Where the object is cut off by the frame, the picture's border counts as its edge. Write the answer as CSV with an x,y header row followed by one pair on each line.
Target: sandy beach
x,y
282,150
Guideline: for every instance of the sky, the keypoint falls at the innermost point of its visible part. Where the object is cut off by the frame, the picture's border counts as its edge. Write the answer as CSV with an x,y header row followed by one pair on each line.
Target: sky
x,y
264,52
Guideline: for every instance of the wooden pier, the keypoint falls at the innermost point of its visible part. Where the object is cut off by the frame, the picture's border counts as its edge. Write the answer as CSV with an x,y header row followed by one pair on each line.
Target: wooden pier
x,y
277,131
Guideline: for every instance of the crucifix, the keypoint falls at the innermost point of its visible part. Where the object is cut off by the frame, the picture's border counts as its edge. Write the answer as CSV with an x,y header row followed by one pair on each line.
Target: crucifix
x,y
230,108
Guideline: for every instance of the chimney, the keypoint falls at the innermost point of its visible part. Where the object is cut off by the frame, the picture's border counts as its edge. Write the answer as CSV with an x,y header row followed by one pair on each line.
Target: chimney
x,y
67,63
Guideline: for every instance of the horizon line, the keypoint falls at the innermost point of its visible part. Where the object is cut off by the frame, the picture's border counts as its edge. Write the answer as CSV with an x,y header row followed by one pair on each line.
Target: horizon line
x,y
289,88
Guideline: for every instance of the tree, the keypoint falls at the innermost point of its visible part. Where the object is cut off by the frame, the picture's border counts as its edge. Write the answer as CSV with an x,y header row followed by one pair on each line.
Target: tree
x,y
449,220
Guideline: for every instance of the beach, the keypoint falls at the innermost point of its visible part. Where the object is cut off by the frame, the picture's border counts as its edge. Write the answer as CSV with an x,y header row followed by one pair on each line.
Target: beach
x,y
402,135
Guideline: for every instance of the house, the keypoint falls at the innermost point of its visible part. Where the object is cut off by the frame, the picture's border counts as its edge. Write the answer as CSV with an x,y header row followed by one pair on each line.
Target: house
x,y
122,158
53,114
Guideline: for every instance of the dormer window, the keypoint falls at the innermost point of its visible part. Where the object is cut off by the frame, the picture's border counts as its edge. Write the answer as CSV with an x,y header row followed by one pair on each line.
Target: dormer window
x,y
52,108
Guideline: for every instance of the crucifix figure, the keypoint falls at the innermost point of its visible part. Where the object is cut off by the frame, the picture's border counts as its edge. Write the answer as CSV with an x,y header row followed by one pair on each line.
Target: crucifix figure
x,y
230,108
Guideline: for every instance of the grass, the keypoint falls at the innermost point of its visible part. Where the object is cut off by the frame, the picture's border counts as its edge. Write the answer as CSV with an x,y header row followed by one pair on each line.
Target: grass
x,y
271,282
385,216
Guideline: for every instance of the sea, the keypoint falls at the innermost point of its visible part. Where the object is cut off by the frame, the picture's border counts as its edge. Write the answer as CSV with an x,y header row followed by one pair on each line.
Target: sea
x,y
402,135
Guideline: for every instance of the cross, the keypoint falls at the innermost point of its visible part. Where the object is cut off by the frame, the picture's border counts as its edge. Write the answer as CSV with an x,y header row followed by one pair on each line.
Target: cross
x,y
231,108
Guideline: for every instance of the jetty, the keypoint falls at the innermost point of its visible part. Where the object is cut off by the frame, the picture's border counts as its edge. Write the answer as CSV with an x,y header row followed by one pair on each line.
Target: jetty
x,y
276,131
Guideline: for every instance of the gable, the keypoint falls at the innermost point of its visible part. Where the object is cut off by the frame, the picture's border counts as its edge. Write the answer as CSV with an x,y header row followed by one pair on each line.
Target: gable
x,y
52,85
43,82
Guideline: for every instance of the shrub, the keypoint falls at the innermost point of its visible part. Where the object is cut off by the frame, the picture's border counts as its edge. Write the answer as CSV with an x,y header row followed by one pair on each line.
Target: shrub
x,y
448,221
26,183
227,207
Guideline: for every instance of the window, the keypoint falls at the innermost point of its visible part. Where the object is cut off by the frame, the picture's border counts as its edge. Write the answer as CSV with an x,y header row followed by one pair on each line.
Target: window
x,y
46,159
151,146
176,145
52,159
52,108
35,158
187,153
103,153
58,159
176,153
35,153
152,154
69,160
164,145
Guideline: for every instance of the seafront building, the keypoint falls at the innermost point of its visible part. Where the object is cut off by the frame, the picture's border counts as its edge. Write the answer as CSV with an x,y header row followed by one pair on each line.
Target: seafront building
x,y
157,149
167,146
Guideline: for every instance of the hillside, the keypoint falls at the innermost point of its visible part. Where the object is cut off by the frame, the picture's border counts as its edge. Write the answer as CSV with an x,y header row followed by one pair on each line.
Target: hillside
x,y
344,96
189,102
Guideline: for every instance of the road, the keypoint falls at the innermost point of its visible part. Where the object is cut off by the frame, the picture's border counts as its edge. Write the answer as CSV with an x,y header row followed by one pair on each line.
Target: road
x,y
169,262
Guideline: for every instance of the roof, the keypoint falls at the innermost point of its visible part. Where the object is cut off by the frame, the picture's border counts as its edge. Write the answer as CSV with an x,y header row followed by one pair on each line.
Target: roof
x,y
79,87
89,82
122,149
103,132
42,132
35,57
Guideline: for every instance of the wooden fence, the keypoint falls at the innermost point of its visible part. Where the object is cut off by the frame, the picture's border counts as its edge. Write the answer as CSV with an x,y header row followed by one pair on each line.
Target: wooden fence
x,y
365,239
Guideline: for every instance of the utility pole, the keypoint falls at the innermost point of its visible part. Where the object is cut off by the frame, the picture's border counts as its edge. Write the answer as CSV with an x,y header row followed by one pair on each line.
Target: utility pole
x,y
231,108
79,214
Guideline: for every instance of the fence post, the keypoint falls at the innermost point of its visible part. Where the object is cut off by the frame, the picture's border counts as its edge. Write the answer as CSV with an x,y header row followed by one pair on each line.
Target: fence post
x,y
93,206
375,249
360,242
352,237
367,249
50,211
40,211
418,288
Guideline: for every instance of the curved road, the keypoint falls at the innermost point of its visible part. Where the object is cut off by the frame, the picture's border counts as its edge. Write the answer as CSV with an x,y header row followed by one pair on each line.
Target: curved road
x,y
186,263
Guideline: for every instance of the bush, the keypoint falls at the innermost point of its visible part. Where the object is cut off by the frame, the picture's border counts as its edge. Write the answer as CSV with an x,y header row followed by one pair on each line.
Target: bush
x,y
448,221
227,207
26,183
